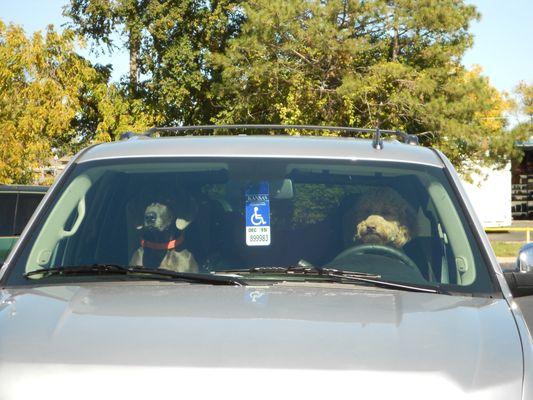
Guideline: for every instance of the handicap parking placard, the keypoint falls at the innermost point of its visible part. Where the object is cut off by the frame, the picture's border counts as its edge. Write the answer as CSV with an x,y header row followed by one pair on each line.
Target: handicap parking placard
x,y
257,212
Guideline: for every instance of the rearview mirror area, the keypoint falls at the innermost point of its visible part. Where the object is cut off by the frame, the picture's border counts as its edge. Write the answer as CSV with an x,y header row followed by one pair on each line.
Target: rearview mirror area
x,y
524,261
520,283
282,189
520,279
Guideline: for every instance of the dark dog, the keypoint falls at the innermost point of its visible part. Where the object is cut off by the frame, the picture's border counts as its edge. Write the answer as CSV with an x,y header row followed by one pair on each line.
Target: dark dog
x,y
163,241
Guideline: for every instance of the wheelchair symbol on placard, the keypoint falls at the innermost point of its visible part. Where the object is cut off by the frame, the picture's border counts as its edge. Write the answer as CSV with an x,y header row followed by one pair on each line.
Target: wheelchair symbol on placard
x,y
256,218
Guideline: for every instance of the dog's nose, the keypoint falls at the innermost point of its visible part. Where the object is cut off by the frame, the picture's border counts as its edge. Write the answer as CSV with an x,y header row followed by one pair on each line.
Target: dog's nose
x,y
371,228
150,218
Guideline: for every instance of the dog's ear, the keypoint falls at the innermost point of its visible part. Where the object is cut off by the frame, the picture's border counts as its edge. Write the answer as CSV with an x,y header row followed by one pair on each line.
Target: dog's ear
x,y
181,223
402,237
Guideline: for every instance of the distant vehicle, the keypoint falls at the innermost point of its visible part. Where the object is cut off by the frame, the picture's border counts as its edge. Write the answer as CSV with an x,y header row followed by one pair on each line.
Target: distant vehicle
x,y
17,204
262,266
490,194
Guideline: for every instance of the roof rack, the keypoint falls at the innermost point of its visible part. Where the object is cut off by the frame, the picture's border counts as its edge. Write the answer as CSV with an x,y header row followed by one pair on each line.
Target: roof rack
x,y
377,133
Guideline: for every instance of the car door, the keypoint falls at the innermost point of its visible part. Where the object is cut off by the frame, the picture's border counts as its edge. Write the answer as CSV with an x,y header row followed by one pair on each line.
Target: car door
x,y
16,209
8,206
26,205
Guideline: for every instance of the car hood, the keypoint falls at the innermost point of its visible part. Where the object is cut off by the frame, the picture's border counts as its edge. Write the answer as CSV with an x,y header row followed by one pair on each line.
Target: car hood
x,y
142,339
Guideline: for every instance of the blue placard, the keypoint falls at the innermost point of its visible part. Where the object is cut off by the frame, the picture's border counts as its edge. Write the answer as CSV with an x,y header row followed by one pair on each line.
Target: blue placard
x,y
257,210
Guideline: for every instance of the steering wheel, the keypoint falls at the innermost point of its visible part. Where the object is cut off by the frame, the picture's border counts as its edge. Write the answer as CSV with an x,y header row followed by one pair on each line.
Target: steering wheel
x,y
380,250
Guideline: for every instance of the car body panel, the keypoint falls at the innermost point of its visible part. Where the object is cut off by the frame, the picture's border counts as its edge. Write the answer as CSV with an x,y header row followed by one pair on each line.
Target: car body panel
x,y
516,305
359,337
331,342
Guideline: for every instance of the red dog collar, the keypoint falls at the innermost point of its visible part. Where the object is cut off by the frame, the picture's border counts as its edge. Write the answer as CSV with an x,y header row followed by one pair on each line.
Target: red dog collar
x,y
162,245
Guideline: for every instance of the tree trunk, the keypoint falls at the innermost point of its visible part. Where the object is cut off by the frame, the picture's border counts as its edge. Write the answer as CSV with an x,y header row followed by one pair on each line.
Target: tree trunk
x,y
134,47
395,44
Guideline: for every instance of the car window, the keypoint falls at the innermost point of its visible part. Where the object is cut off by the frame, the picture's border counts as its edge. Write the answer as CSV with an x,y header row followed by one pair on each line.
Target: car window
x,y
8,202
27,203
399,221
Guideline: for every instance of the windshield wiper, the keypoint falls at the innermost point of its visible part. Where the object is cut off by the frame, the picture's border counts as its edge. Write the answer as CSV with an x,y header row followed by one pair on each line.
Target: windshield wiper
x,y
337,275
113,269
299,270
390,285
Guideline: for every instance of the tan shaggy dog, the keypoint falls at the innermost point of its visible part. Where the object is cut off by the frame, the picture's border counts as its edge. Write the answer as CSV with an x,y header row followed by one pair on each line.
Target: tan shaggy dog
x,y
381,217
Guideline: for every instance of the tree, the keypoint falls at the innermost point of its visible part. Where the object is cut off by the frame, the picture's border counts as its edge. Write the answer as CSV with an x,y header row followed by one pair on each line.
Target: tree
x,y
525,94
393,64
39,82
101,20
52,101
524,130
389,63
169,42
106,111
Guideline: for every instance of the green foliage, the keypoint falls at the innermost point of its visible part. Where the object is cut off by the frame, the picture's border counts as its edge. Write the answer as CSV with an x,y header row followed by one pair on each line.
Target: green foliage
x,y
395,64
525,93
105,112
170,43
39,82
506,249
392,63
99,20
52,101
313,202
524,130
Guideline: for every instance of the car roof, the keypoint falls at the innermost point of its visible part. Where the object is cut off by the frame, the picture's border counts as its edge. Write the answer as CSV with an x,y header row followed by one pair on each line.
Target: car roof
x,y
257,146
23,188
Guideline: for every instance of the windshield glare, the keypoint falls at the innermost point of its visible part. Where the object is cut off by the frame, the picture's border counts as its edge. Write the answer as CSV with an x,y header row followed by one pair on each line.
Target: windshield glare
x,y
399,221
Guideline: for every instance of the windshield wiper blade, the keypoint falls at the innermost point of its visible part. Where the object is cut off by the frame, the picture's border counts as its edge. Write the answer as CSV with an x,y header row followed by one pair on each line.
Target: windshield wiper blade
x,y
338,275
109,269
388,284
99,269
299,270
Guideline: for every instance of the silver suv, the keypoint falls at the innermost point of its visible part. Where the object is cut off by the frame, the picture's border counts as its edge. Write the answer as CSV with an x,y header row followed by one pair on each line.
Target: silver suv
x,y
250,266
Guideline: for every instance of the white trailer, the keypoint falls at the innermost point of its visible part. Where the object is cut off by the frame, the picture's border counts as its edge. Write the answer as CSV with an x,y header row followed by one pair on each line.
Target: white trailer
x,y
490,194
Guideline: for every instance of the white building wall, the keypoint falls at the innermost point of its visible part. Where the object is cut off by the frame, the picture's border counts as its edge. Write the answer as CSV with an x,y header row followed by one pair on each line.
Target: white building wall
x,y
490,194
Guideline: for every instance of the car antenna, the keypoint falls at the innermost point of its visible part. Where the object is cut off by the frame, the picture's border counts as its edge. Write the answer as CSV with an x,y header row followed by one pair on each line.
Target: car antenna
x,y
377,143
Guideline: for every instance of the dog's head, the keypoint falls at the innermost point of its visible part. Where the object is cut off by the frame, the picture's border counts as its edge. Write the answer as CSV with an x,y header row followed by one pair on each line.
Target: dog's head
x,y
165,218
384,217
158,217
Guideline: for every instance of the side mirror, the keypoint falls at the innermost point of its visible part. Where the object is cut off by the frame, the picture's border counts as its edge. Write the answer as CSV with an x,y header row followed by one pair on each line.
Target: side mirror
x,y
524,261
520,281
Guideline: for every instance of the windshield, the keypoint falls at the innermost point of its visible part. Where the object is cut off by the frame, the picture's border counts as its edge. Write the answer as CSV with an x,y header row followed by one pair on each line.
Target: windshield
x,y
398,222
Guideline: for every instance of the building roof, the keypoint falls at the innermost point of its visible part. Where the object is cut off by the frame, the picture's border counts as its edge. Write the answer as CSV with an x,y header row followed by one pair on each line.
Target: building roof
x,y
262,146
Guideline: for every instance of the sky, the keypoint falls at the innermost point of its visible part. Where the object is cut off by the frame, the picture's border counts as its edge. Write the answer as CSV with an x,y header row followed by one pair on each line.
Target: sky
x,y
503,38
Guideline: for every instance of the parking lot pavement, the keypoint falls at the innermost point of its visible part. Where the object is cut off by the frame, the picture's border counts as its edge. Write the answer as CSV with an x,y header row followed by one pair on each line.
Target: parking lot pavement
x,y
510,236
507,236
